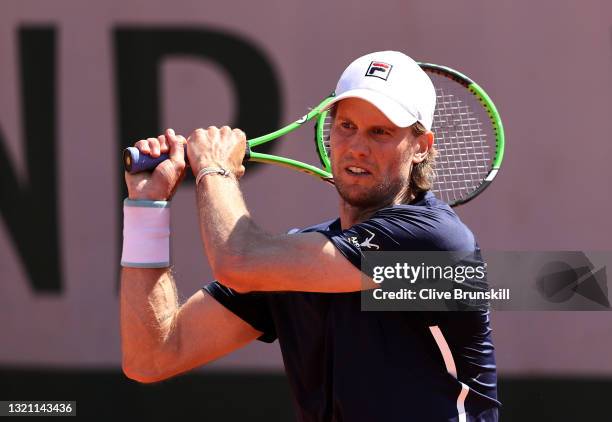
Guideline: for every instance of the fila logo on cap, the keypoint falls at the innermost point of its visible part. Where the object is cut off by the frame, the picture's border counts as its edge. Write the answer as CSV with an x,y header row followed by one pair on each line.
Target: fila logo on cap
x,y
379,70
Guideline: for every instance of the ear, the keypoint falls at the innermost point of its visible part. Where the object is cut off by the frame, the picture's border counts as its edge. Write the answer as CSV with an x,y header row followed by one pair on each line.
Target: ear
x,y
422,146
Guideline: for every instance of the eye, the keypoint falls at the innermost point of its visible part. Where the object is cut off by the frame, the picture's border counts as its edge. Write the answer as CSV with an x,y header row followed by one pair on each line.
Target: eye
x,y
346,124
379,131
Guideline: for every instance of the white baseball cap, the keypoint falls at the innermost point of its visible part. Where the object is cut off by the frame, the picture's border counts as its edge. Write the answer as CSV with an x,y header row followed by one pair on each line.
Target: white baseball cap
x,y
393,83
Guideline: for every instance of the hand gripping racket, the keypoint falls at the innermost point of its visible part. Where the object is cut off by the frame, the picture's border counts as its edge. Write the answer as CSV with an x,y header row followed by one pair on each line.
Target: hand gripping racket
x,y
469,137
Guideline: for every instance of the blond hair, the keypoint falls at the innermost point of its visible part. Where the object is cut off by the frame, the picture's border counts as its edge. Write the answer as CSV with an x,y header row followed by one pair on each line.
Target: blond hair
x,y
422,175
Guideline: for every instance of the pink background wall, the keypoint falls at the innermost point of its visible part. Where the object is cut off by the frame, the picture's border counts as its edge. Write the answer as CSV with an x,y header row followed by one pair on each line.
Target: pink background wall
x,y
546,64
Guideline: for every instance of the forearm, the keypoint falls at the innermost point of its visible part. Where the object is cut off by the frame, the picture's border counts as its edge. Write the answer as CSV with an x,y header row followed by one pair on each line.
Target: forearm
x,y
227,230
149,306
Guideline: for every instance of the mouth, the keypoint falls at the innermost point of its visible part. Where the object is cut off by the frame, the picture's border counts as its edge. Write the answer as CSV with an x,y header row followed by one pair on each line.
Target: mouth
x,y
357,171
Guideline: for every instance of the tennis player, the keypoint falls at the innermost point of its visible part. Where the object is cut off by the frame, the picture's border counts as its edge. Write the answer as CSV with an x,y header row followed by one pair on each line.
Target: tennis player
x,y
303,288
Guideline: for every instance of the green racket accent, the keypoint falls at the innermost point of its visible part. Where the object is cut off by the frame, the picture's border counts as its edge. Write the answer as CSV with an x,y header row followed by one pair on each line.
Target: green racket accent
x,y
321,138
292,164
290,127
496,120
288,162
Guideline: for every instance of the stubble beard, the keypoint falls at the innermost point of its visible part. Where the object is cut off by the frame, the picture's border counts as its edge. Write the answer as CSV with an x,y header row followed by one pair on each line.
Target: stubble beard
x,y
380,195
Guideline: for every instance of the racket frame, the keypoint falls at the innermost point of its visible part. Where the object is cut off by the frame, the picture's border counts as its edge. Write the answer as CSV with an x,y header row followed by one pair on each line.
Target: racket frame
x,y
288,162
498,127
321,115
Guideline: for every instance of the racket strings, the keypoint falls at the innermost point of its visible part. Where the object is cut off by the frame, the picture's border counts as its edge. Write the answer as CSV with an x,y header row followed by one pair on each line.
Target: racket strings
x,y
327,125
463,152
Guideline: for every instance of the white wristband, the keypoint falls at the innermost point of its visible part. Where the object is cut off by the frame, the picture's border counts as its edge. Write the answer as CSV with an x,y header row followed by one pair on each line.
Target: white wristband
x,y
146,234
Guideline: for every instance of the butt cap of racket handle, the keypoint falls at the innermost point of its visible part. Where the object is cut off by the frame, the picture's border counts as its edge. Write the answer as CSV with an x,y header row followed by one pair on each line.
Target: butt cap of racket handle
x,y
135,162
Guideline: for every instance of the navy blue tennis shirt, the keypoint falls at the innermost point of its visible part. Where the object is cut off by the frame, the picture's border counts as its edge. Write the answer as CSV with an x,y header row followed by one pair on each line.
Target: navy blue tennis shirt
x,y
345,364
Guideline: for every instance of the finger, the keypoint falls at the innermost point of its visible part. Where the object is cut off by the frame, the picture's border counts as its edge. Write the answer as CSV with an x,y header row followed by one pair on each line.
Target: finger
x,y
163,144
170,134
177,151
154,147
143,146
241,136
212,132
239,133
196,134
225,131
182,144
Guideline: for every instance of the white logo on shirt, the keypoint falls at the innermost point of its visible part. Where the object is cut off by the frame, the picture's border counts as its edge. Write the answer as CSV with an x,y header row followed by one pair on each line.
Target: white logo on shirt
x,y
354,241
366,243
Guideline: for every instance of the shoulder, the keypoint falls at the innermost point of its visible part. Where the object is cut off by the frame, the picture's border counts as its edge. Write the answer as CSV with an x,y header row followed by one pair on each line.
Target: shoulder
x,y
427,224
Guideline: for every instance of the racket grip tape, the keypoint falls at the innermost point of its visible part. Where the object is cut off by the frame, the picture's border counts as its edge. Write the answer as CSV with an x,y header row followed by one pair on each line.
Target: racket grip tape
x,y
135,162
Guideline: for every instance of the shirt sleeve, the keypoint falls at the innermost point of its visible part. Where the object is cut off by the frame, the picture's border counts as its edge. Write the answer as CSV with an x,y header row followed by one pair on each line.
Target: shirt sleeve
x,y
251,307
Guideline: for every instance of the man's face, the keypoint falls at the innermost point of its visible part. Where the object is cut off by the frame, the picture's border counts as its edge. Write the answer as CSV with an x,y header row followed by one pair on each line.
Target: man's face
x,y
370,156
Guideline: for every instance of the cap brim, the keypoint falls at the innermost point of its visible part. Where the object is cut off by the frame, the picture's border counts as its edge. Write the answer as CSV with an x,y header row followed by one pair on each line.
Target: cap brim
x,y
398,115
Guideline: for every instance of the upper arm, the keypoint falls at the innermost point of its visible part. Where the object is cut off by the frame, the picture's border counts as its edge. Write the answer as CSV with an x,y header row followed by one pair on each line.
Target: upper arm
x,y
203,330
330,261
306,262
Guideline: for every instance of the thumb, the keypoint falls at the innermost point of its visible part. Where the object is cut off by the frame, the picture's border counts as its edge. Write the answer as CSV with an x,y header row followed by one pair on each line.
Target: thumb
x,y
176,144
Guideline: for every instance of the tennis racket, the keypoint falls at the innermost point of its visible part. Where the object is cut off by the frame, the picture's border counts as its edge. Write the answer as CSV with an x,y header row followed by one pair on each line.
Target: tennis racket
x,y
469,137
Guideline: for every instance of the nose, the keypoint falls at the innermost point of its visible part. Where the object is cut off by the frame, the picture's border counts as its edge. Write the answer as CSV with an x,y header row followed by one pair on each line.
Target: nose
x,y
358,145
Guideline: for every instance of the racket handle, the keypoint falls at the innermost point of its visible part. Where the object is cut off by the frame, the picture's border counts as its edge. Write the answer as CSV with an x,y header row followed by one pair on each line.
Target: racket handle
x,y
135,162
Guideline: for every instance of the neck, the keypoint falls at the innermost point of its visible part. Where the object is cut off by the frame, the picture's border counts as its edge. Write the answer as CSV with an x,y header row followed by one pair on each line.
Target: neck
x,y
352,214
